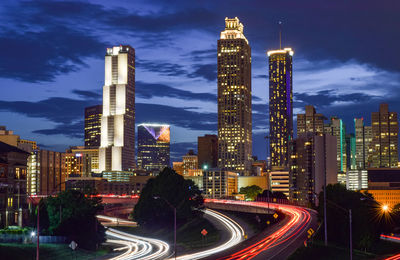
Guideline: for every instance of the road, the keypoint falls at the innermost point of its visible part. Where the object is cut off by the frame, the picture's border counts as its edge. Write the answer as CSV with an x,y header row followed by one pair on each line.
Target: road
x,y
234,229
280,241
137,247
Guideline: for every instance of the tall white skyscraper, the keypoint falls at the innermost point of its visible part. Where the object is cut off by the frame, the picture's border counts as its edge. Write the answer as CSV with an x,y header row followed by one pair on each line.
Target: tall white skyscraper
x,y
117,149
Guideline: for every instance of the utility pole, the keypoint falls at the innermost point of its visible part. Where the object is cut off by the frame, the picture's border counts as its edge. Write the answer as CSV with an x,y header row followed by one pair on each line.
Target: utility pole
x,y
351,236
37,232
325,224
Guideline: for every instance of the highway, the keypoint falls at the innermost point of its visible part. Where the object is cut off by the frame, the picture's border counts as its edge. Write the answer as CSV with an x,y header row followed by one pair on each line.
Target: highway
x,y
279,242
137,247
236,236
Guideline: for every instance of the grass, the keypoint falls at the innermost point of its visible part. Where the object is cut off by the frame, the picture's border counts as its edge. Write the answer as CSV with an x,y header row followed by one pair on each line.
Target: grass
x,y
48,251
317,250
188,235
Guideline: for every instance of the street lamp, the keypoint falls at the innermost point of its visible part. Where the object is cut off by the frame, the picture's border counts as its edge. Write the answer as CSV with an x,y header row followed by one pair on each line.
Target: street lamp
x,y
385,208
174,209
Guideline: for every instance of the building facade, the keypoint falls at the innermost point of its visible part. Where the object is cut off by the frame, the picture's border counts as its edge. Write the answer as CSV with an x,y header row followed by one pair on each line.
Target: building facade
x,y
189,162
207,151
93,126
153,147
384,143
13,180
310,122
117,147
363,135
219,184
280,106
384,185
313,162
357,179
234,99
81,161
337,128
46,172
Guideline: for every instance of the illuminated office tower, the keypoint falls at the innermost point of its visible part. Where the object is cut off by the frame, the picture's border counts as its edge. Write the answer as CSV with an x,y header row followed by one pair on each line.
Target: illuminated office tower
x,y
384,138
337,128
363,135
153,147
234,99
280,105
310,122
117,149
93,125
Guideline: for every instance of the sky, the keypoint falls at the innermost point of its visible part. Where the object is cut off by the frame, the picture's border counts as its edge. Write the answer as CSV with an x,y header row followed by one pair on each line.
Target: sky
x,y
346,62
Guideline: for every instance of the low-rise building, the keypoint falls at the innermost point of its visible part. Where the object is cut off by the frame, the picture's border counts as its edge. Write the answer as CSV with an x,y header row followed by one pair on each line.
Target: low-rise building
x,y
219,184
13,194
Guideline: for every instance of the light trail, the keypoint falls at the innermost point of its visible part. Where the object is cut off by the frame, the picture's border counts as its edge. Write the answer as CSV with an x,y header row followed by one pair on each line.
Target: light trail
x,y
298,219
395,257
117,220
139,247
237,233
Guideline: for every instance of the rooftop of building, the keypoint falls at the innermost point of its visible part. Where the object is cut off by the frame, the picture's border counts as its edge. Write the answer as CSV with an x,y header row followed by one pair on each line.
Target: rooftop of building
x,y
6,148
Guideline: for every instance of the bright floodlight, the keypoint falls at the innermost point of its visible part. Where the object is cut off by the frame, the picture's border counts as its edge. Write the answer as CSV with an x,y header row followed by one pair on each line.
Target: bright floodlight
x,y
33,233
385,208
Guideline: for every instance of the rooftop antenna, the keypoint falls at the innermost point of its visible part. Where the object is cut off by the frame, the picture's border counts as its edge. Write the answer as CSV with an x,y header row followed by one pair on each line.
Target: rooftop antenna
x,y
280,34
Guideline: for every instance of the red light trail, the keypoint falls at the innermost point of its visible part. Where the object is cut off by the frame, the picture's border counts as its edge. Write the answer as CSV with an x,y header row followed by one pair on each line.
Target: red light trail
x,y
299,218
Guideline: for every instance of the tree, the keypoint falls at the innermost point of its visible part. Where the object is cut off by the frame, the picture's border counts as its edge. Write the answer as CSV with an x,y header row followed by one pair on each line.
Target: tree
x,y
152,209
250,192
78,218
367,217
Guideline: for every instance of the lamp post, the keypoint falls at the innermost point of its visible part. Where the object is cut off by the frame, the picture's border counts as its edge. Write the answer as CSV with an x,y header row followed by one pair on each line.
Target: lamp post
x,y
348,211
174,209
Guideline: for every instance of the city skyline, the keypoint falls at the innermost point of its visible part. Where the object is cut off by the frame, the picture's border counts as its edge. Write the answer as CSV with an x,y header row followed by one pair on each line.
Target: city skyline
x,y
49,92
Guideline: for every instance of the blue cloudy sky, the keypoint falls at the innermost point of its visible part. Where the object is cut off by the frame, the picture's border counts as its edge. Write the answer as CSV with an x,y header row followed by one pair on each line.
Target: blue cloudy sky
x,y
51,65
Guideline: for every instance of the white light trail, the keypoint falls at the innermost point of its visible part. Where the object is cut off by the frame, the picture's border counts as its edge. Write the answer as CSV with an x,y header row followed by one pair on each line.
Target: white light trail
x,y
234,228
139,247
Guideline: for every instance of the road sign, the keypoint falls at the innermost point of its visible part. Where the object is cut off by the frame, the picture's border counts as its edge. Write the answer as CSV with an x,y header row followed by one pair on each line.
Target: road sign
x,y
310,232
204,232
276,216
73,245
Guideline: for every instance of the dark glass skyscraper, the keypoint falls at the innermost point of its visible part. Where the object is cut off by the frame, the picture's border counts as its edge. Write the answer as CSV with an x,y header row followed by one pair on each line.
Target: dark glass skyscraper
x,y
153,147
93,125
234,99
280,105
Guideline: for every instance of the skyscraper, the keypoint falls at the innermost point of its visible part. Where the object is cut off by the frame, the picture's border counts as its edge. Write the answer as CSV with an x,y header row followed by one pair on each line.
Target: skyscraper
x,y
313,159
234,99
93,125
280,105
153,147
310,122
337,128
385,129
207,148
117,150
363,135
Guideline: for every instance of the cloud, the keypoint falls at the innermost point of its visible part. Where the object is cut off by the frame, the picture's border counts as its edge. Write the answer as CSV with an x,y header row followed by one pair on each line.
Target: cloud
x,y
88,94
42,55
73,130
163,68
206,71
149,90
325,98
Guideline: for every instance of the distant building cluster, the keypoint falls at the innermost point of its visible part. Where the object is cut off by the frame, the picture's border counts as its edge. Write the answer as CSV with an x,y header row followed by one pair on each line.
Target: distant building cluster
x,y
299,163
